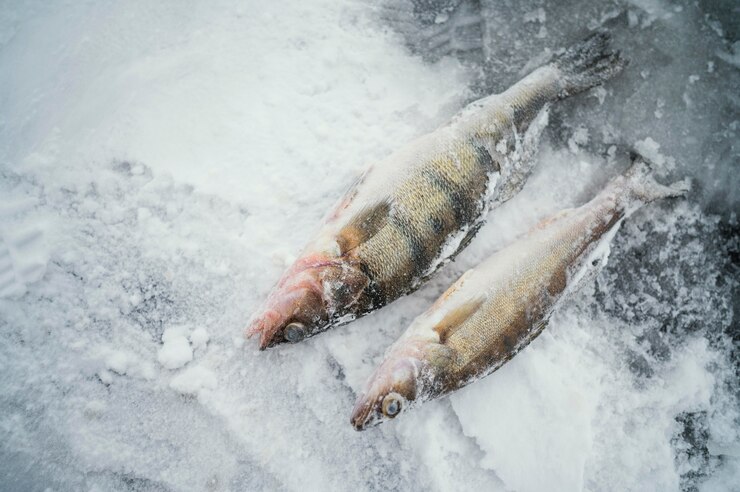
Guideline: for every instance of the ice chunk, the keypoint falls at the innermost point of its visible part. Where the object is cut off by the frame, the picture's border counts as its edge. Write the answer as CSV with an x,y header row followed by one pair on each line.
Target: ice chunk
x,y
651,150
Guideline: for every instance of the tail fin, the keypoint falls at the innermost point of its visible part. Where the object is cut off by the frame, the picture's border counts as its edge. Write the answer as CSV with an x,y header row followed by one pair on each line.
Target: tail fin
x,y
643,186
588,64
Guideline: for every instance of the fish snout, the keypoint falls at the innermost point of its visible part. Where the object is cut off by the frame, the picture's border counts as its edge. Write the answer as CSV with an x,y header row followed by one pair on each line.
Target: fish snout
x,y
293,313
313,293
364,413
389,392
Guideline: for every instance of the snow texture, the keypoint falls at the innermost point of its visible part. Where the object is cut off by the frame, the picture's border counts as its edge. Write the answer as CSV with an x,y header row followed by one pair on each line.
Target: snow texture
x,y
162,162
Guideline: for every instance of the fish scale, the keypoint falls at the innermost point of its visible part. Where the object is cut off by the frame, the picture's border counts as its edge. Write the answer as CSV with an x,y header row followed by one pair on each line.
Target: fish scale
x,y
537,274
505,320
406,246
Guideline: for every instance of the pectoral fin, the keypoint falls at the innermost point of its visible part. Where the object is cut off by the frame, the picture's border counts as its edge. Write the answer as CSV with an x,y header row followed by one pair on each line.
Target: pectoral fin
x,y
363,226
456,317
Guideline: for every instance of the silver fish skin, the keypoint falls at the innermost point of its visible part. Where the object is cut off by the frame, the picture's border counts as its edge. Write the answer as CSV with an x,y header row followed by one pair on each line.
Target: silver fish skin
x,y
497,308
412,212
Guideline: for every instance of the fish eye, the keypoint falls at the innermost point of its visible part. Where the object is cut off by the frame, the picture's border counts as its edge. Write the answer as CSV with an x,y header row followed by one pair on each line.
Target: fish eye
x,y
391,405
295,332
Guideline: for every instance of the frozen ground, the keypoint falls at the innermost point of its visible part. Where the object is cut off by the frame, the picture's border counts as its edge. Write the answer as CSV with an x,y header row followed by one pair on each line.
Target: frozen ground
x,y
161,162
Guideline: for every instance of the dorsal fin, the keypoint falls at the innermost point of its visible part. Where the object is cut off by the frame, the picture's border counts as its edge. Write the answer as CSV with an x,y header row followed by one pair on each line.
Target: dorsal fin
x,y
551,219
456,317
364,225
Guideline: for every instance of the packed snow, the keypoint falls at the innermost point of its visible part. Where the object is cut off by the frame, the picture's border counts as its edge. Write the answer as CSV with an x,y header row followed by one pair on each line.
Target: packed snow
x,y
162,162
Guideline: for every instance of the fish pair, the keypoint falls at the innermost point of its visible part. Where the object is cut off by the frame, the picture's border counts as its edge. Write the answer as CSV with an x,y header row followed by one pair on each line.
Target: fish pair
x,y
411,213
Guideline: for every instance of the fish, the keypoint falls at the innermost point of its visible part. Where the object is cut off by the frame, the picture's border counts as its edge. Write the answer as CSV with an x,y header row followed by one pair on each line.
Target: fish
x,y
497,308
412,212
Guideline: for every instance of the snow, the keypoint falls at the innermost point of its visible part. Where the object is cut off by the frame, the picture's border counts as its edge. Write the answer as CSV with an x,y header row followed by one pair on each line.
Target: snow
x,y
161,163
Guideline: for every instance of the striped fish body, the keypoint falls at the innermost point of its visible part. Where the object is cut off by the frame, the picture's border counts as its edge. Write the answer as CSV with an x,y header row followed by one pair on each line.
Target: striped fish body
x,y
496,309
412,212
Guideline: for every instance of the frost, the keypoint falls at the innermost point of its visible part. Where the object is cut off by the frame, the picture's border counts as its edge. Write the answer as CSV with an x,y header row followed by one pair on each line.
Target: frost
x,y
732,56
161,165
650,149
95,408
23,254
578,139
538,15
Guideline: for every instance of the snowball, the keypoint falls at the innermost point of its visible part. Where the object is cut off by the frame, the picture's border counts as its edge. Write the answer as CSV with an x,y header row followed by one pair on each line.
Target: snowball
x,y
174,332
193,379
175,352
199,338
118,362
105,376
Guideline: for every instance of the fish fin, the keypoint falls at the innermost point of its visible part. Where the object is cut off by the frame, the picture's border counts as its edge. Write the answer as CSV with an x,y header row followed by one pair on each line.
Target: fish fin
x,y
643,186
542,224
467,238
345,200
452,289
439,355
464,242
588,64
456,317
364,225
520,160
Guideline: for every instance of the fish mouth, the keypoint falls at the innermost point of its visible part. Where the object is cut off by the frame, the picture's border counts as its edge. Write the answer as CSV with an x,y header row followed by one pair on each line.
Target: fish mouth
x,y
291,314
267,327
273,334
299,299
365,415
391,390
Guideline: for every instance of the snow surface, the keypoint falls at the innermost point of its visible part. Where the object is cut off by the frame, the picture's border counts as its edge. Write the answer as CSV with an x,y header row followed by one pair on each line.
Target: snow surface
x,y
162,162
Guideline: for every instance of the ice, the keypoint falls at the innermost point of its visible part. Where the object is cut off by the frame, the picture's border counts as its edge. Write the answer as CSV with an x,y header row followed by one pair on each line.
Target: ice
x,y
161,163
650,149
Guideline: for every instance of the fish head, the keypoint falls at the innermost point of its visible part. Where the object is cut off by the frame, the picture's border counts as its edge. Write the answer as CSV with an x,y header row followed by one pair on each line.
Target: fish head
x,y
391,390
307,300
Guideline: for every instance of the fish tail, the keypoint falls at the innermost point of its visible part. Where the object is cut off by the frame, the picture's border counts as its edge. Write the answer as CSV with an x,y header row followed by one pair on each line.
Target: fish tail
x,y
643,186
588,64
